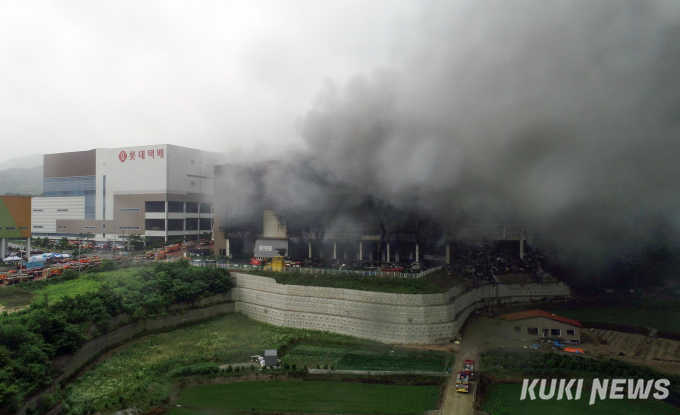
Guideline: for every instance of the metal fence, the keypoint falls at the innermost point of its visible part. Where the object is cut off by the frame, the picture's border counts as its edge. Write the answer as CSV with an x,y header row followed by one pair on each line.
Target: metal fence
x,y
323,271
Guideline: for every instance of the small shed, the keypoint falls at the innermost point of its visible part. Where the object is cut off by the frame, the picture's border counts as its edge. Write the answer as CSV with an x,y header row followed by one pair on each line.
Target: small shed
x,y
539,323
270,357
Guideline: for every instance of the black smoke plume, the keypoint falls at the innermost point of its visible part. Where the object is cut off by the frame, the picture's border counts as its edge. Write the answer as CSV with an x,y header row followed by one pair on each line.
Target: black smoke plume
x,y
560,115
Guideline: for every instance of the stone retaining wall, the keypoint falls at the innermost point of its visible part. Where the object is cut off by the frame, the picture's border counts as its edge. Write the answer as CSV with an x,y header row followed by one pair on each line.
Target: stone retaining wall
x,y
384,317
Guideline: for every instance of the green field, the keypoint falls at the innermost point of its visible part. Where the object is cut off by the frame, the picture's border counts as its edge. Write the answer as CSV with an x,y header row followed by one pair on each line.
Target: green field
x,y
394,360
311,356
664,320
512,365
378,358
437,282
71,288
503,399
308,396
137,374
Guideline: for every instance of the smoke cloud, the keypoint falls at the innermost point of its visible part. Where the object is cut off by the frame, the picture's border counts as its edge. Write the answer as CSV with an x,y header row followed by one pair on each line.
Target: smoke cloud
x,y
562,115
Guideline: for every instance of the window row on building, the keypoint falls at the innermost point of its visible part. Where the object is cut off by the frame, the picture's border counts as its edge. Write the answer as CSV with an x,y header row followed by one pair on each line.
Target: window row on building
x,y
178,207
534,331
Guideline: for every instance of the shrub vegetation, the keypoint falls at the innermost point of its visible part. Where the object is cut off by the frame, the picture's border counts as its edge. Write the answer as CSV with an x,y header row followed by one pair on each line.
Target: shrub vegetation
x,y
30,338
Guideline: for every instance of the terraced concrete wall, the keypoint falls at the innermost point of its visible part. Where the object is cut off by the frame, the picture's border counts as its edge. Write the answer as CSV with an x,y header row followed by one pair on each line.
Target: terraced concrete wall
x,y
384,317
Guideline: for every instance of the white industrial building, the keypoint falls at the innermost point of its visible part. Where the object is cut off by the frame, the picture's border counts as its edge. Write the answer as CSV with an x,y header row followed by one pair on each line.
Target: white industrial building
x,y
161,191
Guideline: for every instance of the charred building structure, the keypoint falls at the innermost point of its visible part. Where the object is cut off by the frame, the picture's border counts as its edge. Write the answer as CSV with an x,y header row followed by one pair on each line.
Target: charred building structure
x,y
250,220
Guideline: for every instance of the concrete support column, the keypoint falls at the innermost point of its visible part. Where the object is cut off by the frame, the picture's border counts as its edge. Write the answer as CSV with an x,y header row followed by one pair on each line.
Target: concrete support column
x,y
3,243
310,249
28,247
166,221
361,251
335,250
448,253
228,250
417,254
388,252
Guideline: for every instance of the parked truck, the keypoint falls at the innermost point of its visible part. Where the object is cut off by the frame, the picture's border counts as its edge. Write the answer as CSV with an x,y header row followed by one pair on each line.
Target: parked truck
x,y
462,381
469,366
32,265
52,272
256,261
173,248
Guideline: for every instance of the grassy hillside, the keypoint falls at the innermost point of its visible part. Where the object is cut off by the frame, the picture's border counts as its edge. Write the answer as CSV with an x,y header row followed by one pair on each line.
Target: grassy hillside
x,y
437,282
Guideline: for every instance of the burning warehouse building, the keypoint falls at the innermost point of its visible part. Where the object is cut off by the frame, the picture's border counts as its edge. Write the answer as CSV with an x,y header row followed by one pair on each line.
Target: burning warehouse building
x,y
254,216
272,208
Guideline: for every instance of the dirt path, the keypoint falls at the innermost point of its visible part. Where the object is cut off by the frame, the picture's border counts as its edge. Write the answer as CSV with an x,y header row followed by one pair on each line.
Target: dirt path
x,y
477,337
456,403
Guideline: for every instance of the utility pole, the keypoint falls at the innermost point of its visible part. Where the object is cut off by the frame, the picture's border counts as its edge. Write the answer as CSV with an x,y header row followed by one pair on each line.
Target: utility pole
x,y
200,198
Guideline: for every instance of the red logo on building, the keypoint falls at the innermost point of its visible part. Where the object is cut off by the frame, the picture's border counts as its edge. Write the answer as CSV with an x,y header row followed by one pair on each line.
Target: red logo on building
x,y
139,155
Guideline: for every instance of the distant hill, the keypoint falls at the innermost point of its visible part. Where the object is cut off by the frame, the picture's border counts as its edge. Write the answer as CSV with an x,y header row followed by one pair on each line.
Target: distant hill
x,y
23,181
25,162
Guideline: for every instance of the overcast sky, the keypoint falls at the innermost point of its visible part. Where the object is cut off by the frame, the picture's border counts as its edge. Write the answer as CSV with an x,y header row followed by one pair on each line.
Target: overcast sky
x,y
554,112
213,75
